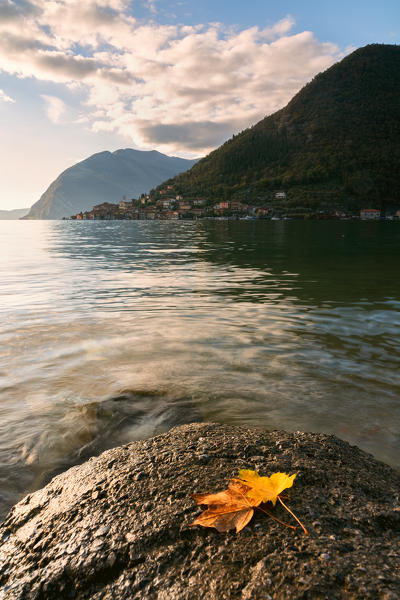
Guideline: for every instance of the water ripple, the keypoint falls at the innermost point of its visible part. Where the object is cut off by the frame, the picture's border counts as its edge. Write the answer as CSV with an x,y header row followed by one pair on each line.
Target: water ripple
x,y
115,331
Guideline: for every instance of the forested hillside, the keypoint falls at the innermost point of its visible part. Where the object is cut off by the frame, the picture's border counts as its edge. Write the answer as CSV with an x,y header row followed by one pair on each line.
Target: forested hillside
x,y
337,140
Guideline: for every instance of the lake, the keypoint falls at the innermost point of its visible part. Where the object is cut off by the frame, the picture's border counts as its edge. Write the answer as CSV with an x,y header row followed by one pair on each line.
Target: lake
x,y
115,331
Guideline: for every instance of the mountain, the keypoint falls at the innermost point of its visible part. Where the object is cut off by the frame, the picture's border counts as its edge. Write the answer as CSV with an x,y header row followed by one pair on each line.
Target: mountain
x,y
16,213
105,177
336,142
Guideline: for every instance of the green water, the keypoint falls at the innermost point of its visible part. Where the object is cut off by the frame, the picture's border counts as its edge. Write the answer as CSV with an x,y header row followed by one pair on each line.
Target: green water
x,y
114,331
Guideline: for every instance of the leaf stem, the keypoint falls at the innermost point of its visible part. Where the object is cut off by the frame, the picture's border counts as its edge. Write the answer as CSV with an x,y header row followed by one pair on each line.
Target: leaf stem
x,y
275,518
293,515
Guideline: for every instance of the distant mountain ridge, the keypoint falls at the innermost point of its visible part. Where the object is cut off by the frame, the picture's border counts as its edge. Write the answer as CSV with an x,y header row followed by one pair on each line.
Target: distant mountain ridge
x,y
337,141
106,177
15,213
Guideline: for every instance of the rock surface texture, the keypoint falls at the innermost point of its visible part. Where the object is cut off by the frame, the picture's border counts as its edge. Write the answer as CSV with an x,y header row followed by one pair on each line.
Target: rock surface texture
x,y
117,527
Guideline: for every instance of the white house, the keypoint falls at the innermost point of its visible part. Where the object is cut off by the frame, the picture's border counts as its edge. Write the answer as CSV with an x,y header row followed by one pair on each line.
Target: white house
x,y
367,214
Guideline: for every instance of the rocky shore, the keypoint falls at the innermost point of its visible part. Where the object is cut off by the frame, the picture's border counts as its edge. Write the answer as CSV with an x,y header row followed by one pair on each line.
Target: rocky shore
x,y
117,527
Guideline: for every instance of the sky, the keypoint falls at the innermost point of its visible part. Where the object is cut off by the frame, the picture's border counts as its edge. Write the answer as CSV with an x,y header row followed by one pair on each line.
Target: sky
x,y
179,76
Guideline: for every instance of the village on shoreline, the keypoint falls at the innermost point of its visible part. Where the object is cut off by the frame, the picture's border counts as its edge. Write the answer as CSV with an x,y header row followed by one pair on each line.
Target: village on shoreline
x,y
175,207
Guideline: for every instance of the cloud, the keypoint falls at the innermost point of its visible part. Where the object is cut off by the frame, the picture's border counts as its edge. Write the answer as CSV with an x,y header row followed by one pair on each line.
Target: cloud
x,y
11,11
68,66
15,46
55,108
174,87
5,98
191,135
151,5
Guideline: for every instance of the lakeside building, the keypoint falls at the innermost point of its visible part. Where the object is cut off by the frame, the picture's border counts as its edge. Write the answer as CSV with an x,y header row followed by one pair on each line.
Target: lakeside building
x,y
147,208
369,214
166,202
237,206
198,212
222,206
263,212
171,215
184,206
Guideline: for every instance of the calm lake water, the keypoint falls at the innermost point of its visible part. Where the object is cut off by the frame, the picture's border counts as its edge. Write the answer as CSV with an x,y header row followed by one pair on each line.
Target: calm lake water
x,y
114,331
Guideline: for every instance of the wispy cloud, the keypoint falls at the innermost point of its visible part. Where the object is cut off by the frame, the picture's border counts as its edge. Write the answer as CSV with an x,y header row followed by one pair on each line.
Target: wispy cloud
x,y
177,88
55,108
151,6
5,98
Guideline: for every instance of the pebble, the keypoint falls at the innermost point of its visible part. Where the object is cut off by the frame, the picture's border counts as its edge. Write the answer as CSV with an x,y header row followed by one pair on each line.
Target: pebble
x,y
389,595
316,524
101,531
111,559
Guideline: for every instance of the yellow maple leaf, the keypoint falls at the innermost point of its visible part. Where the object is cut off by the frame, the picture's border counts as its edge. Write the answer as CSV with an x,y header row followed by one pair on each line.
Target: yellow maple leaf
x,y
229,509
265,489
234,507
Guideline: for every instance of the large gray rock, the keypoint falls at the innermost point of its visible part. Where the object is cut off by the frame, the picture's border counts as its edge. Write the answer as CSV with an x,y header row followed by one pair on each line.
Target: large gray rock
x,y
117,527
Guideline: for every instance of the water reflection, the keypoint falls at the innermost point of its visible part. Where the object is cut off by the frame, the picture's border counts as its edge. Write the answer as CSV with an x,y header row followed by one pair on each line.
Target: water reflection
x,y
281,325
319,261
